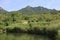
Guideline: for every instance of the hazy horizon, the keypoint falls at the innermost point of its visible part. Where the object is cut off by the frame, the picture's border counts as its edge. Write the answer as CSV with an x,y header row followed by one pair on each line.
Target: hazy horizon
x,y
11,5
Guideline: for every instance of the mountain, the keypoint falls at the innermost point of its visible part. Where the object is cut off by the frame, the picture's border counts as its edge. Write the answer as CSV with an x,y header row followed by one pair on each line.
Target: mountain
x,y
32,10
2,10
39,9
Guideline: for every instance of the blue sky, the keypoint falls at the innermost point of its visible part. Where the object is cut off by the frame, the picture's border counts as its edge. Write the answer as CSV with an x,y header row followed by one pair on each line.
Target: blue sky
x,y
18,4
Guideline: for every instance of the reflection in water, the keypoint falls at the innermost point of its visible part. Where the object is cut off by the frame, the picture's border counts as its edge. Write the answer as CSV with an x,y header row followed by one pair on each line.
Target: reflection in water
x,y
21,37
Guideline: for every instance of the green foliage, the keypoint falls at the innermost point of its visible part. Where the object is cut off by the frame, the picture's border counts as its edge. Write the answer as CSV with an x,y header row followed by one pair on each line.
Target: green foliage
x,y
41,20
29,18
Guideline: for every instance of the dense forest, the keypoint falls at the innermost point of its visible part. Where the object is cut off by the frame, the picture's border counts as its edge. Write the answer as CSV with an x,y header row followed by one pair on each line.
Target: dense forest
x,y
30,18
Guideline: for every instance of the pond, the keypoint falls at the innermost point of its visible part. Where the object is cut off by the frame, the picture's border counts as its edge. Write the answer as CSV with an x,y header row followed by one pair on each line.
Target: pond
x,y
21,37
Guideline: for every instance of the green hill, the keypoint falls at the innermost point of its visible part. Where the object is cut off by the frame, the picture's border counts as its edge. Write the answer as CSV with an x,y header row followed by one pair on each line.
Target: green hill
x,y
40,17
33,10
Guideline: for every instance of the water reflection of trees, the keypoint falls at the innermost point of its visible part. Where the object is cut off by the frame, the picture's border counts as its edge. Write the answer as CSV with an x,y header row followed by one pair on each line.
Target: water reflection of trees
x,y
50,33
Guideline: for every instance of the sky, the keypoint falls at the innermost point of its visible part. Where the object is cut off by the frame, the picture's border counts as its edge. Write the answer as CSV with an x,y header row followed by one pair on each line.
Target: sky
x,y
11,5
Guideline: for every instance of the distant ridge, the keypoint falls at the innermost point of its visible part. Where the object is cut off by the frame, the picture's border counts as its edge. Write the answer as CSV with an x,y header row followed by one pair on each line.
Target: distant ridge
x,y
39,9
2,10
31,10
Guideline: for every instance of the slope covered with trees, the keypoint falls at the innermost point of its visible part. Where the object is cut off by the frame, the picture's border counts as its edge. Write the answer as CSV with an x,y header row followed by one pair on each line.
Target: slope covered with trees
x,y
30,16
38,20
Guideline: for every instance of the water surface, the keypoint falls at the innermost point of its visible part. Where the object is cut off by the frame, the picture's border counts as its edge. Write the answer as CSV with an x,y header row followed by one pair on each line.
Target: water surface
x,y
21,37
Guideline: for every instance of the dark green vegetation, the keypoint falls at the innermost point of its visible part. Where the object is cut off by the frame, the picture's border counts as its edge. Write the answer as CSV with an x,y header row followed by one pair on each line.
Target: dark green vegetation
x,y
52,34
32,20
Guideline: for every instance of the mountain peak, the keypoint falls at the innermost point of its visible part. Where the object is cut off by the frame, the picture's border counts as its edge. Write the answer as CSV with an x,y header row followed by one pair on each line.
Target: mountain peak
x,y
28,7
38,9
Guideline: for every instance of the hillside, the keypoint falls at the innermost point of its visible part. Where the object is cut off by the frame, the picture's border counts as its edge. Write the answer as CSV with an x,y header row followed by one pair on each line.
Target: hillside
x,y
41,17
2,10
33,10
